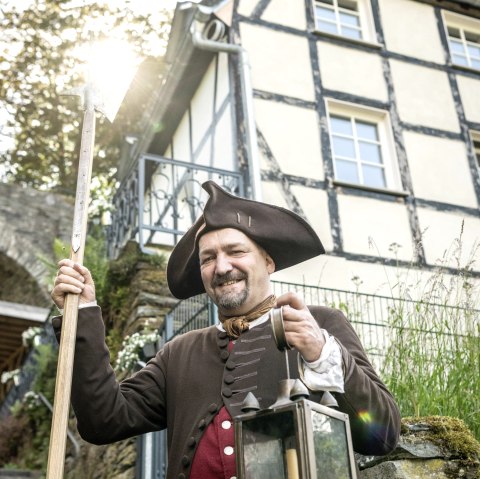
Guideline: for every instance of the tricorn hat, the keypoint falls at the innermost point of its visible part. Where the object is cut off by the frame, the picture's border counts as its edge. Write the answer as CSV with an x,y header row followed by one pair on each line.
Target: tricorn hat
x,y
284,235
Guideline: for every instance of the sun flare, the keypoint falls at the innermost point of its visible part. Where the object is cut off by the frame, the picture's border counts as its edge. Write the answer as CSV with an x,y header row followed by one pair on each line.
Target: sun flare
x,y
110,66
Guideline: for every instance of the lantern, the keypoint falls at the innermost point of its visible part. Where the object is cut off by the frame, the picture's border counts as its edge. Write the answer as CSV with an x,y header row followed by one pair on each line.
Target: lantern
x,y
294,438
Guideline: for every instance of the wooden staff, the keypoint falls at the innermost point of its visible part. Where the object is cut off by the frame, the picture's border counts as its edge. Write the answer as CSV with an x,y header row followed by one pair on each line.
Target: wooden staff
x,y
66,353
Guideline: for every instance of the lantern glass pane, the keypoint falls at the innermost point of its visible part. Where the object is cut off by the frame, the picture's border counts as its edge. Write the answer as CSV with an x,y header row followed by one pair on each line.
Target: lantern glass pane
x,y
269,446
331,447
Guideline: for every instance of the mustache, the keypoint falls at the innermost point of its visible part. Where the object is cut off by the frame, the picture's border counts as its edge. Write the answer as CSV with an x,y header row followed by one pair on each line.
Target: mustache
x,y
232,276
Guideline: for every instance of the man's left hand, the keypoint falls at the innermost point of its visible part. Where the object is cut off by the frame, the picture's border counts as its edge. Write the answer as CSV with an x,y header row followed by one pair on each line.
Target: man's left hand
x,y
301,330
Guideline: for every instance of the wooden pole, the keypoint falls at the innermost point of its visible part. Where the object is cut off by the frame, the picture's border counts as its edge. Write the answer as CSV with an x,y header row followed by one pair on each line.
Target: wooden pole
x,y
66,353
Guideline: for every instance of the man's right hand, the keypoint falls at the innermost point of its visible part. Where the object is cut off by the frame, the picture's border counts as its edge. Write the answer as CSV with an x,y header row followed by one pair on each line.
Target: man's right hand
x,y
72,278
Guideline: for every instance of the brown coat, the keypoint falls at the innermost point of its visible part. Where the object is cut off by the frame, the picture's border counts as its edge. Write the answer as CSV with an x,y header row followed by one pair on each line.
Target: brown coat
x,y
194,375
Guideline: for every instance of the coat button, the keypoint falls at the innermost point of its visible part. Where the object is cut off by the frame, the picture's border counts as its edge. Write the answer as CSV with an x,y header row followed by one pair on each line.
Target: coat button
x,y
186,460
57,322
224,355
228,450
230,365
212,408
227,392
228,379
202,424
226,424
191,442
182,476
223,343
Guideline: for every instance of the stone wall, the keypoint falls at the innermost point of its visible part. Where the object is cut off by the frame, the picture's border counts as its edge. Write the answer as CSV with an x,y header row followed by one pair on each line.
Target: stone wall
x,y
430,448
29,222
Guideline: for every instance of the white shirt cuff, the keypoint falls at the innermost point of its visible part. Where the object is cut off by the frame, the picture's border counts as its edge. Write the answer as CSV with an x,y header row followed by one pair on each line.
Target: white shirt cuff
x,y
326,373
82,305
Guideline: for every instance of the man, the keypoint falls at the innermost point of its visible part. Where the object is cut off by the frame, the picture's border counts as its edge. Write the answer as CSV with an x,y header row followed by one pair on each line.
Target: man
x,y
197,383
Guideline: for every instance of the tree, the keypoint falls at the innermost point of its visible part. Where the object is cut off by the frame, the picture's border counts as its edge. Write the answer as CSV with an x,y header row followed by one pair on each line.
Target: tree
x,y
40,56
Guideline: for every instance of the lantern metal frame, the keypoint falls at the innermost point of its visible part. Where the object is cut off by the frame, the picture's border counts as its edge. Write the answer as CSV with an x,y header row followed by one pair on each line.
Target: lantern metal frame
x,y
301,410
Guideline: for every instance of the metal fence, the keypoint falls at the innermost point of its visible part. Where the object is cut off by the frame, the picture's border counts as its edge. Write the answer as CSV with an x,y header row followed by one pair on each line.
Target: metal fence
x,y
377,319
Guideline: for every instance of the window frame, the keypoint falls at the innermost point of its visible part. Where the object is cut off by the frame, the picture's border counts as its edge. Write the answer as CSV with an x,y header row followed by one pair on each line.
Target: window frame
x,y
465,25
365,16
381,119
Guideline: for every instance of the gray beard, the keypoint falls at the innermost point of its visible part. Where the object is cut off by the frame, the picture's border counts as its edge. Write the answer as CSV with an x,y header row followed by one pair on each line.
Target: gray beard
x,y
232,300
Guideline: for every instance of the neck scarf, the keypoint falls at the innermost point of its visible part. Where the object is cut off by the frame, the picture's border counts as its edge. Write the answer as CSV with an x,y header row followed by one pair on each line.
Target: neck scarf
x,y
235,325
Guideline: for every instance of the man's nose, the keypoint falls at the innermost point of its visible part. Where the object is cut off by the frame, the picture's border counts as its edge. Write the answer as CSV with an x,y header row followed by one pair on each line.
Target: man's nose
x,y
223,265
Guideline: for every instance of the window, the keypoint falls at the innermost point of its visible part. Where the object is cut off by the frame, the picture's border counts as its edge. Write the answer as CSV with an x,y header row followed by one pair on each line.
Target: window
x,y
463,40
362,146
347,18
340,17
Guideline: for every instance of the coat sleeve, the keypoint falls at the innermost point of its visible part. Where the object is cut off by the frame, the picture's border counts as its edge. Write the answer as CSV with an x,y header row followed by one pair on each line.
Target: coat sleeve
x,y
373,413
106,410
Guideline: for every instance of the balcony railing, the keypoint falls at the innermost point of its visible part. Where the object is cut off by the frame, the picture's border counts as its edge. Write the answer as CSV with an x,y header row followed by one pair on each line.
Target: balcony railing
x,y
160,199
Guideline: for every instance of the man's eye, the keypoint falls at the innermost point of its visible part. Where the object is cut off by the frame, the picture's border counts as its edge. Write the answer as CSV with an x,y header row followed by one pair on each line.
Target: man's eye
x,y
206,260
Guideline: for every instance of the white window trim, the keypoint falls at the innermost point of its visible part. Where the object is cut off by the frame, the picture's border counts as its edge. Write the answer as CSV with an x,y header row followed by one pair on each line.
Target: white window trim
x,y
461,22
382,119
367,25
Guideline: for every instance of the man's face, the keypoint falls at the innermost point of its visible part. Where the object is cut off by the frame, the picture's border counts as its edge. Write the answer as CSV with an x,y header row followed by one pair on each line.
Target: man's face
x,y
235,270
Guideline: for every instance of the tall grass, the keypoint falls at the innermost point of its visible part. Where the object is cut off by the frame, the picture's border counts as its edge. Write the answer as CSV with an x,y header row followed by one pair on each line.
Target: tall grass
x,y
432,365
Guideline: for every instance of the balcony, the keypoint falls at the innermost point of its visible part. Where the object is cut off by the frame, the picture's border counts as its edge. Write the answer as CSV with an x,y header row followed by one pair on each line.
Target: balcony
x,y
160,199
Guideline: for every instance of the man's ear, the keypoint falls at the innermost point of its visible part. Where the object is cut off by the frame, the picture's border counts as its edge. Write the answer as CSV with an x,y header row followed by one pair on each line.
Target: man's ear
x,y
270,264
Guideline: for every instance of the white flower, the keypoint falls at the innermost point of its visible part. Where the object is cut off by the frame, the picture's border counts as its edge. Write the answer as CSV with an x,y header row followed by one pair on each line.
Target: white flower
x,y
11,375
132,345
30,336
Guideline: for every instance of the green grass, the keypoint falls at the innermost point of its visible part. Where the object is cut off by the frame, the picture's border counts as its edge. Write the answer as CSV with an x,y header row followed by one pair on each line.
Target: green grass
x,y
432,365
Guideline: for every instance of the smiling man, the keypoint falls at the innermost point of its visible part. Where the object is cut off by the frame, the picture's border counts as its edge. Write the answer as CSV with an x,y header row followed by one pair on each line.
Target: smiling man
x,y
235,271
197,382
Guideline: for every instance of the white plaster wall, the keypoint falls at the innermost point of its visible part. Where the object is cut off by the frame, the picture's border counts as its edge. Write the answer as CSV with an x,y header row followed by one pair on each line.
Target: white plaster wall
x,y
225,154
202,106
470,95
352,71
181,142
335,272
290,13
323,271
293,136
223,80
439,169
272,193
424,96
203,155
441,233
406,282
246,7
410,28
369,227
280,62
314,203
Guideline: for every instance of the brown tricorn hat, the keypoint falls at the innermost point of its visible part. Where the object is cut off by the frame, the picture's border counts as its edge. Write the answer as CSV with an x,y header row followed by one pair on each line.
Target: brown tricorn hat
x,y
284,235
